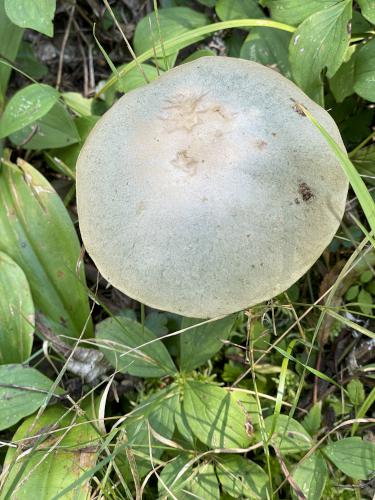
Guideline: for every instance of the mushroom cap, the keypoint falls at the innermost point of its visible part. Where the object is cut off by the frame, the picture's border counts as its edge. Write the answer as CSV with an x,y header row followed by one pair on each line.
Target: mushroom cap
x,y
207,191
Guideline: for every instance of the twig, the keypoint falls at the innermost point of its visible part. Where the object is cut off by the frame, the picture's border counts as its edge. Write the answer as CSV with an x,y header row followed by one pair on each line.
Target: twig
x,y
63,45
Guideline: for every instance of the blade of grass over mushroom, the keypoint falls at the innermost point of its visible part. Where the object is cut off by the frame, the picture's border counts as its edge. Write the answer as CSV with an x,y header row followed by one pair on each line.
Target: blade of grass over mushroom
x,y
185,39
359,187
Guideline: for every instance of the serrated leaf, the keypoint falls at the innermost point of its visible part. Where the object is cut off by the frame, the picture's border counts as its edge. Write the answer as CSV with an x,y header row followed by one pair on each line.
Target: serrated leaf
x,y
26,106
311,476
22,391
37,233
16,313
353,456
54,130
10,39
320,42
242,478
269,47
35,14
368,9
312,421
45,475
215,415
289,436
238,9
356,391
294,11
121,341
173,21
201,343
364,76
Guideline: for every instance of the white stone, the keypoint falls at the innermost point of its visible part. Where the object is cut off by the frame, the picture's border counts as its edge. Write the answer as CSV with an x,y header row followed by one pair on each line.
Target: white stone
x,y
206,191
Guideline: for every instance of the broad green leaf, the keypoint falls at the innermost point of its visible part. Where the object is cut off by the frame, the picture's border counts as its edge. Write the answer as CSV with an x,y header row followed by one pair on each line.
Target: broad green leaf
x,y
22,391
26,106
352,293
289,436
238,9
216,415
311,476
364,161
342,82
69,155
137,77
82,106
353,456
201,343
37,232
121,341
268,47
368,9
171,470
158,412
54,130
320,42
197,54
295,11
242,478
356,391
312,421
173,21
365,301
203,485
45,473
364,79
198,482
10,39
28,62
35,14
16,313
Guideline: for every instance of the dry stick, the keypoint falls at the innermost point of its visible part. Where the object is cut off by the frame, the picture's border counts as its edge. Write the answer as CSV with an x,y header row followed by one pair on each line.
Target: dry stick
x,y
288,477
63,45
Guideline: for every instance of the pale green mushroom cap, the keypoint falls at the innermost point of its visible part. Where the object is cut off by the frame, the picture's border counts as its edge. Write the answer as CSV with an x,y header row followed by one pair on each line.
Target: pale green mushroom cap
x,y
207,192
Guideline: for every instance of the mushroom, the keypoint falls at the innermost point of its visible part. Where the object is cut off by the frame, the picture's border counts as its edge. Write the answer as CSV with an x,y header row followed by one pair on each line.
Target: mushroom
x,y
208,191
